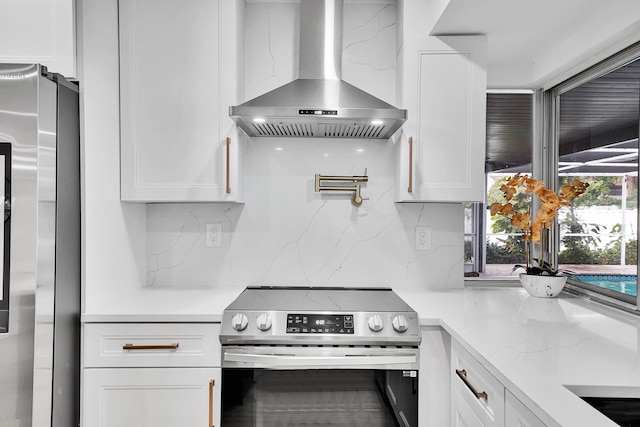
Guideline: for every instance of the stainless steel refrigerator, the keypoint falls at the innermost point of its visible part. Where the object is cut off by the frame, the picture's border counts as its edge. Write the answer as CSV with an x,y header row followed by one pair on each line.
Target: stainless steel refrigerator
x,y
40,248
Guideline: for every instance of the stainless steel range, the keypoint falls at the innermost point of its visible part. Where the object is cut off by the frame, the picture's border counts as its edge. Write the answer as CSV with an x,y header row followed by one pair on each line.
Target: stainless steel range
x,y
341,346
304,315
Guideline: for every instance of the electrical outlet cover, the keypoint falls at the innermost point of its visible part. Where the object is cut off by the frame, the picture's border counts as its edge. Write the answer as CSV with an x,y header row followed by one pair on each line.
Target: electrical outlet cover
x,y
423,238
213,235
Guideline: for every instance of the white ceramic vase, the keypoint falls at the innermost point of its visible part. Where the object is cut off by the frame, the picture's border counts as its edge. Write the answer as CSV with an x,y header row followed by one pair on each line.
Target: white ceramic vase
x,y
542,286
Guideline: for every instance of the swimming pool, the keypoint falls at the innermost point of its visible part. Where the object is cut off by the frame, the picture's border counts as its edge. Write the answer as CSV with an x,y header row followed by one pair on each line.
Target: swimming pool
x,y
620,283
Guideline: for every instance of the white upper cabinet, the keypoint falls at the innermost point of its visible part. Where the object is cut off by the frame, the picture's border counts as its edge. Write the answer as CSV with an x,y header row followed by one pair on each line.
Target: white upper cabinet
x,y
39,31
441,150
178,76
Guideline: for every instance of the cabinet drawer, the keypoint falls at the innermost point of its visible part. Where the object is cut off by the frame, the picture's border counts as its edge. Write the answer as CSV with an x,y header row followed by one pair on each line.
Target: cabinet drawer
x,y
482,391
151,345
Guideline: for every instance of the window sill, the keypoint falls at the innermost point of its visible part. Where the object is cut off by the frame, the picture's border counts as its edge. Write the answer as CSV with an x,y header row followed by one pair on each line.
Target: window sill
x,y
509,281
580,292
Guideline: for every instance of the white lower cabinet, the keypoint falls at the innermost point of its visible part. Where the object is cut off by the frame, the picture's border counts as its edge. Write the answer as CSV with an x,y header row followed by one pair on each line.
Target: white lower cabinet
x,y
151,374
474,387
518,415
478,399
461,413
151,397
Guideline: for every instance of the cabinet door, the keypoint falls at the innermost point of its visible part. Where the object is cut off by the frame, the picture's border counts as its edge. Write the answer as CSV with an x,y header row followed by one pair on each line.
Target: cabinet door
x,y
518,415
174,100
461,413
39,31
151,397
444,82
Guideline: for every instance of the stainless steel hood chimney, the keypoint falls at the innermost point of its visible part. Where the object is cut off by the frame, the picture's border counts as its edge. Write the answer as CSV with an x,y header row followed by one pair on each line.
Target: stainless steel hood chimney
x,y
319,104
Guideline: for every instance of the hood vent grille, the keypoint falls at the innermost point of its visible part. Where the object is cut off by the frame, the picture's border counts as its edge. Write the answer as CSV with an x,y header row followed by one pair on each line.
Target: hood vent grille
x,y
351,131
325,130
283,129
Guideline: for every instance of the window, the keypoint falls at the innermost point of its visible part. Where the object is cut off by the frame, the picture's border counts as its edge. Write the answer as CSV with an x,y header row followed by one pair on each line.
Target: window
x,y
589,132
594,126
492,247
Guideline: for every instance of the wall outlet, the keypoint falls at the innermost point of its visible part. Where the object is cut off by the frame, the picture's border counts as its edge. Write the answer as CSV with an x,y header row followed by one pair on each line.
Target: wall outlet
x,y
213,235
423,238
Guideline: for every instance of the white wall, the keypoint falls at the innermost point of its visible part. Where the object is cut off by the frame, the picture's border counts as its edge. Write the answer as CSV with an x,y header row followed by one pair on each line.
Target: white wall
x,y
288,234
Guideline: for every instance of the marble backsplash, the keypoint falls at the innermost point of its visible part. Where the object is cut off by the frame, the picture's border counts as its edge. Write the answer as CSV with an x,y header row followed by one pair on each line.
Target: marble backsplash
x,y
287,234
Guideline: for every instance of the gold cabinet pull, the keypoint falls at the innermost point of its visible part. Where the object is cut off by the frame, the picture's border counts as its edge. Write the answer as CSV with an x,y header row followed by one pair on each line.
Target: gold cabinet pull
x,y
172,346
410,188
228,189
211,384
479,394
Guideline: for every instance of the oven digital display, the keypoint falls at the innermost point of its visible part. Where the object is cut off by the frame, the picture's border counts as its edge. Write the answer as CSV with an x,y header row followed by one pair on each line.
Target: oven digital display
x,y
320,323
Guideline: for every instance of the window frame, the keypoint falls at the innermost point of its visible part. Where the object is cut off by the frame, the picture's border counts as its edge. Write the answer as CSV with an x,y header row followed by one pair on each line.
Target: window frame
x,y
547,161
544,166
481,217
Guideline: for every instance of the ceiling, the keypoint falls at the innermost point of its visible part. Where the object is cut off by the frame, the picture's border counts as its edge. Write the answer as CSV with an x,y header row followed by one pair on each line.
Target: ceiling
x,y
533,44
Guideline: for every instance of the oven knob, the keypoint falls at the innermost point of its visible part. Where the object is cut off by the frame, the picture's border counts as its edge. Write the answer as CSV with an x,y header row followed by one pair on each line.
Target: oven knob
x,y
375,323
239,322
263,322
399,323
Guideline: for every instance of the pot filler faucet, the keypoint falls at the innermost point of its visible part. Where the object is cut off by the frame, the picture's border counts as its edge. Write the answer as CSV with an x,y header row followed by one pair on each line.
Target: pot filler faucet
x,y
357,199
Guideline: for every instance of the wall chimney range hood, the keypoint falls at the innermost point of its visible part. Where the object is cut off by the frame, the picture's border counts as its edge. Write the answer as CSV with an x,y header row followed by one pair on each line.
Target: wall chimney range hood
x,y
319,104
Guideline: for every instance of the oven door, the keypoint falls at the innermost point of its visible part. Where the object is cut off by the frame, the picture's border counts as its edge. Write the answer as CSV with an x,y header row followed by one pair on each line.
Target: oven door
x,y
319,385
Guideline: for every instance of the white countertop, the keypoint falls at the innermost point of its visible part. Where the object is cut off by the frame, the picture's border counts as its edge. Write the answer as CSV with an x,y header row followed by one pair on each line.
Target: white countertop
x,y
165,305
536,346
533,346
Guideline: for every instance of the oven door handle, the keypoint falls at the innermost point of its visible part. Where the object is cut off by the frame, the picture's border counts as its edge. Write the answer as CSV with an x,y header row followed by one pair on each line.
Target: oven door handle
x,y
285,360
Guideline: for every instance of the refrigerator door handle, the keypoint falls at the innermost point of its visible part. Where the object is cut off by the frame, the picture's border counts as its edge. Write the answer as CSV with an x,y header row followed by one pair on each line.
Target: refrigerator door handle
x,y
7,208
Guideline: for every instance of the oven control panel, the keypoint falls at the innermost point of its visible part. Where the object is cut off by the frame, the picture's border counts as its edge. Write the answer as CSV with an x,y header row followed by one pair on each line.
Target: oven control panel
x,y
320,323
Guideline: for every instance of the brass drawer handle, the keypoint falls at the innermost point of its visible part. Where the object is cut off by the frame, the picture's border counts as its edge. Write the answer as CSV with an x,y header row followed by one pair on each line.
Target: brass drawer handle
x,y
211,384
228,162
410,188
463,376
172,346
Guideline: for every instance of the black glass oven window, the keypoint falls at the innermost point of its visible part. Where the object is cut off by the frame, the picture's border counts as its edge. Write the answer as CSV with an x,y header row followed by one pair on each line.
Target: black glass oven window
x,y
278,398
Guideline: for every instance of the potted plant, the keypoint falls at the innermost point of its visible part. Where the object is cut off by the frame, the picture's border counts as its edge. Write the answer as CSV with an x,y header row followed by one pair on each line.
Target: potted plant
x,y
541,278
